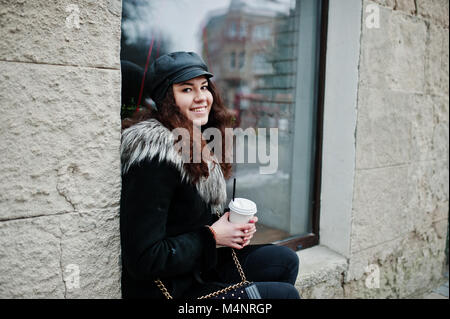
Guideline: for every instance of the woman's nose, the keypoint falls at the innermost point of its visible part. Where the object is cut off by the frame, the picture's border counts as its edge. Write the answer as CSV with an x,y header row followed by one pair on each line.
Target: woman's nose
x,y
200,96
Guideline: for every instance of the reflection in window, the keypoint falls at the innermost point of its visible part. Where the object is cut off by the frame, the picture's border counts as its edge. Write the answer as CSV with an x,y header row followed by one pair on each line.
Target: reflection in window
x,y
243,29
261,32
233,30
232,60
241,59
260,64
251,47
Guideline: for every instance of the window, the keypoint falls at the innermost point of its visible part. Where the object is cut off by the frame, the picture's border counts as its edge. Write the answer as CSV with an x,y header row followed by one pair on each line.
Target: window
x,y
241,59
279,88
260,64
261,32
243,29
232,60
232,32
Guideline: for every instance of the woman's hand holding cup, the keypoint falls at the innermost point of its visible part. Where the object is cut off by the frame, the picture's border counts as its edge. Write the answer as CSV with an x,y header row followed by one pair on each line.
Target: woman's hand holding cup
x,y
233,235
249,234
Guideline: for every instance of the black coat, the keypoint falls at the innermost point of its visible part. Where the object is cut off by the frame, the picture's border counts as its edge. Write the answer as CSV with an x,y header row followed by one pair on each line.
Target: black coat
x,y
163,216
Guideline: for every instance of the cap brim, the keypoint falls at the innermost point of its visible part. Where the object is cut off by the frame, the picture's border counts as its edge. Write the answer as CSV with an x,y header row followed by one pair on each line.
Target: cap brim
x,y
190,74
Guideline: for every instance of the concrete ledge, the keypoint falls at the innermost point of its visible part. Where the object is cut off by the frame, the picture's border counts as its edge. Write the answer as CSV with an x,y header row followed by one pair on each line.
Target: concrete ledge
x,y
321,274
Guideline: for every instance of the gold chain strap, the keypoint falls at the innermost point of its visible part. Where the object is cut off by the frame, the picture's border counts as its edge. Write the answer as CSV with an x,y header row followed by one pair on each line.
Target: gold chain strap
x,y
238,265
163,289
215,293
224,290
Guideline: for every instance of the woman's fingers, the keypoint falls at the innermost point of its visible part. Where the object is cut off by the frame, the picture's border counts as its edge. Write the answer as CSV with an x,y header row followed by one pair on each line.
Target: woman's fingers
x,y
248,237
242,233
237,246
246,232
250,234
243,227
253,220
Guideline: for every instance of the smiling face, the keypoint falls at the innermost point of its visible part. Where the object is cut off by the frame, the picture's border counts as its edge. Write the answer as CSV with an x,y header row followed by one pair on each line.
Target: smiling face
x,y
194,99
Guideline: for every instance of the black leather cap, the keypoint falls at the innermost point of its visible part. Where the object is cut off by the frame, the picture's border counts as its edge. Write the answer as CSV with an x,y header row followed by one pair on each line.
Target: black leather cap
x,y
175,67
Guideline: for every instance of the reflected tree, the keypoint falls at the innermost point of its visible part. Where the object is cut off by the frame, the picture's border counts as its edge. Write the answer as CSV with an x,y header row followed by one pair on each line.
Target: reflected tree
x,y
141,43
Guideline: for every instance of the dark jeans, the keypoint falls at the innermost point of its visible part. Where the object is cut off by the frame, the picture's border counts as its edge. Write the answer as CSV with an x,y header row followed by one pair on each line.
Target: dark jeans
x,y
272,268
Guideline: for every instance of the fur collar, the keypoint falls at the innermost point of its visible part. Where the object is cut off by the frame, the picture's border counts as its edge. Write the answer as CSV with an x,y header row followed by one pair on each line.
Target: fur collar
x,y
150,139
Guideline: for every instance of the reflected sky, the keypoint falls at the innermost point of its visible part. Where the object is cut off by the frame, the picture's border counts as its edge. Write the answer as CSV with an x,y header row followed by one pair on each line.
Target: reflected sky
x,y
188,16
180,21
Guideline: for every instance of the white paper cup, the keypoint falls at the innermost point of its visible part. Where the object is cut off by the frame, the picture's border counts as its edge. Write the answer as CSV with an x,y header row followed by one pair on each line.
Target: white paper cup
x,y
241,210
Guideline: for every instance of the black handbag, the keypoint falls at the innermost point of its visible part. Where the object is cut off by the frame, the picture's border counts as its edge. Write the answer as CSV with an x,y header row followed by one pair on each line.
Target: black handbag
x,y
242,290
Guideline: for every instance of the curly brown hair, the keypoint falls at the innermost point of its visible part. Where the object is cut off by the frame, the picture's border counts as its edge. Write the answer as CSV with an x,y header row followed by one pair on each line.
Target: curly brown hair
x,y
169,115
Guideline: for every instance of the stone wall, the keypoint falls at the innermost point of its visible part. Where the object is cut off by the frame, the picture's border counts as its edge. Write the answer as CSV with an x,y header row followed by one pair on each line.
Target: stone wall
x,y
400,200
60,138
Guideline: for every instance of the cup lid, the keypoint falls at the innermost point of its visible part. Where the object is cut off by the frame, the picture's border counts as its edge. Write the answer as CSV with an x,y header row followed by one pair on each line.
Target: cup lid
x,y
243,206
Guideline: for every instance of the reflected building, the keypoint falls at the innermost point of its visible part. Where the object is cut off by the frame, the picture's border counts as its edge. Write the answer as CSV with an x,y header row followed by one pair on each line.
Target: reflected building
x,y
250,47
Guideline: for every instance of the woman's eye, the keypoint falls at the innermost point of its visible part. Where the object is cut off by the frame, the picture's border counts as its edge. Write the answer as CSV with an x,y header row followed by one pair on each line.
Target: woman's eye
x,y
205,87
187,90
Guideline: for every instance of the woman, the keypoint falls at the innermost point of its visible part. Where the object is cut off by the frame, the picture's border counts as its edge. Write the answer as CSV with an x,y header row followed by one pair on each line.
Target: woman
x,y
169,229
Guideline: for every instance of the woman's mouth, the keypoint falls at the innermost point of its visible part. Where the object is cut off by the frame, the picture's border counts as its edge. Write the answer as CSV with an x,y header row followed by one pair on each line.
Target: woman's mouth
x,y
200,109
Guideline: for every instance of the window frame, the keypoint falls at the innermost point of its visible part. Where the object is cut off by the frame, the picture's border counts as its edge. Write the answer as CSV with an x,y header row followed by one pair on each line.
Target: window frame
x,y
308,240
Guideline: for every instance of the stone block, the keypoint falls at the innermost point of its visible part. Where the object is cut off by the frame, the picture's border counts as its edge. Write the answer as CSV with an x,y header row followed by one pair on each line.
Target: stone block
x,y
30,264
60,139
420,113
407,6
330,289
395,128
383,133
427,193
408,265
441,229
386,3
48,32
392,56
445,62
440,142
391,201
90,248
436,60
73,255
321,273
380,206
435,10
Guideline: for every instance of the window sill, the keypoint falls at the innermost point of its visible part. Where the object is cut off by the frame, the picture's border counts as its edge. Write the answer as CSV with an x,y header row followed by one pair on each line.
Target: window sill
x,y
321,273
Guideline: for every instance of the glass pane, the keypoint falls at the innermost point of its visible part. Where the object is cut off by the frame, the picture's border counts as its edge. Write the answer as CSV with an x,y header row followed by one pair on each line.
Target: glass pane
x,y
251,46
